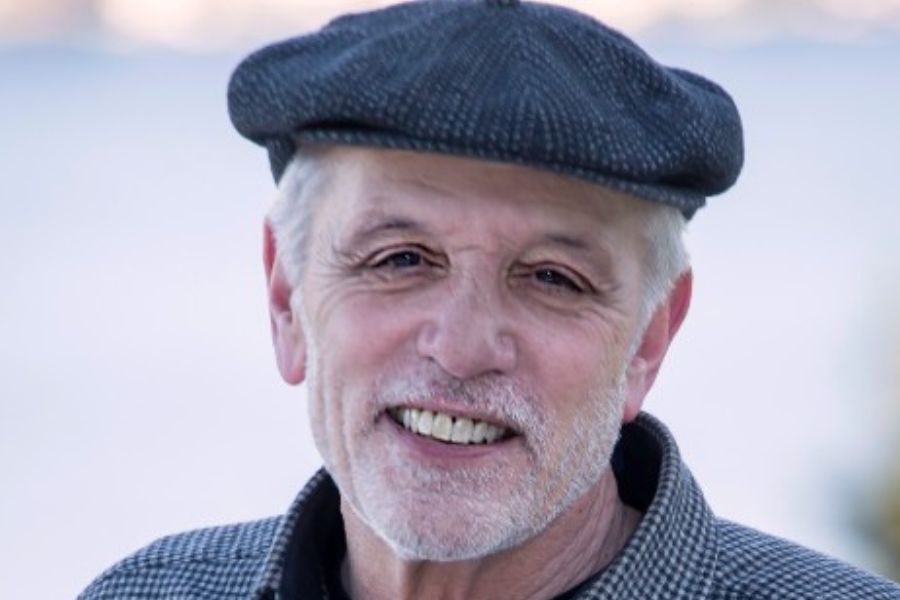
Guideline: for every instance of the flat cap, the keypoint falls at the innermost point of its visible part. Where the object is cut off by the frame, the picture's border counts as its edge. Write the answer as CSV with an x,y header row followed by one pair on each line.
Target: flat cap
x,y
520,82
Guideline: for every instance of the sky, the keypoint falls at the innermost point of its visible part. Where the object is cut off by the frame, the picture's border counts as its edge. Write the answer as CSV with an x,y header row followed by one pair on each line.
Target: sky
x,y
208,25
138,393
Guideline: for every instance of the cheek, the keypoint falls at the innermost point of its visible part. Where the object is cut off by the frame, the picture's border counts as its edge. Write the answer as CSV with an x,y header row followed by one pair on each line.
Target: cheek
x,y
578,377
359,338
364,334
566,362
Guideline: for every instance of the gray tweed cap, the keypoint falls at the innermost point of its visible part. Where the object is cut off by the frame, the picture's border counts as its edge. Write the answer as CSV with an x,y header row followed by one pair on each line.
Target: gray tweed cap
x,y
520,82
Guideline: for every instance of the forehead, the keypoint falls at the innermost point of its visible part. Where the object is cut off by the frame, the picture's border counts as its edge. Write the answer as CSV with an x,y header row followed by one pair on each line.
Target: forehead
x,y
364,183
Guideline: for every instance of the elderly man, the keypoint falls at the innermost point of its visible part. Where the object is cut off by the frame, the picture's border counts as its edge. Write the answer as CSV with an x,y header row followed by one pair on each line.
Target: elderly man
x,y
475,263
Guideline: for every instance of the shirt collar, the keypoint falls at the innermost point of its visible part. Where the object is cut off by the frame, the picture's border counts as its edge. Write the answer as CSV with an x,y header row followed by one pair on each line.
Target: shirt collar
x,y
671,554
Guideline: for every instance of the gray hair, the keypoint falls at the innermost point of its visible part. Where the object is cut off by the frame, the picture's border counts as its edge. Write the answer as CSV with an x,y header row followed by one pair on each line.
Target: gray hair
x,y
291,216
666,257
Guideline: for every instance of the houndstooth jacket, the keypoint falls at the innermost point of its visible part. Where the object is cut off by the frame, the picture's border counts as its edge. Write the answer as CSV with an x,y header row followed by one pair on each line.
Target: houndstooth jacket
x,y
680,550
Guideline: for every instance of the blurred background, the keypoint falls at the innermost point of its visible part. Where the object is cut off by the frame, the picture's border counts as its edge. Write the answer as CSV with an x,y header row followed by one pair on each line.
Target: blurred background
x,y
138,395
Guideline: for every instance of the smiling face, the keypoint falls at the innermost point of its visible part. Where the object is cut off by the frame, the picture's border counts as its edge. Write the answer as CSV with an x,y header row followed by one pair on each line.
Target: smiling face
x,y
467,327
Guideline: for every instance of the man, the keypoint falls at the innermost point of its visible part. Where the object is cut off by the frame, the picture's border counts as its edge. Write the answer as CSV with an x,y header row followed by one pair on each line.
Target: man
x,y
475,263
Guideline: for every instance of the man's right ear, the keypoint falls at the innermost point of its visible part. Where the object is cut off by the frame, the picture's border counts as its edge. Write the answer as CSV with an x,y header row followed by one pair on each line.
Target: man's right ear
x,y
287,332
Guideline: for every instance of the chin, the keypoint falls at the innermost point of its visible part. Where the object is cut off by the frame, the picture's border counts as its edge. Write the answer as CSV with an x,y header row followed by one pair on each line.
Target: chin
x,y
444,536
443,520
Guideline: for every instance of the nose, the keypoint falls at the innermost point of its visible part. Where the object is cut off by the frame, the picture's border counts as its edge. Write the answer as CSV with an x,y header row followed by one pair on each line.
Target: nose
x,y
468,332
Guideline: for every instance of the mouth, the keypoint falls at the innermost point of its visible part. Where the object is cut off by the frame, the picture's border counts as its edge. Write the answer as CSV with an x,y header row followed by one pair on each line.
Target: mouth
x,y
447,428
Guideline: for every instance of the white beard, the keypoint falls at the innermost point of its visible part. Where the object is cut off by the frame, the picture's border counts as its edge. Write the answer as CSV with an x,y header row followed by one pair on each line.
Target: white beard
x,y
427,514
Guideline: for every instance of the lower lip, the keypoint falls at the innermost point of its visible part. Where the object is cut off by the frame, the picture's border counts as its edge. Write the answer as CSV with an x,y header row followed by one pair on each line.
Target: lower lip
x,y
438,450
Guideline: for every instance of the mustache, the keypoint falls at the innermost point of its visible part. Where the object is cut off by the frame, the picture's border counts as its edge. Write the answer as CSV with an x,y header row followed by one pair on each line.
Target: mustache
x,y
500,398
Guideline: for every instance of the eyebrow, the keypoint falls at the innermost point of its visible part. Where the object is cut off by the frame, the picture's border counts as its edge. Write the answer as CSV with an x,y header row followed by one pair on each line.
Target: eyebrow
x,y
569,241
376,223
582,244
383,224
598,253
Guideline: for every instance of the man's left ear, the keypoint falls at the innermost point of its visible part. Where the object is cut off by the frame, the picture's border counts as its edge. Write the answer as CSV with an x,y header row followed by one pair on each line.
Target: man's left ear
x,y
655,342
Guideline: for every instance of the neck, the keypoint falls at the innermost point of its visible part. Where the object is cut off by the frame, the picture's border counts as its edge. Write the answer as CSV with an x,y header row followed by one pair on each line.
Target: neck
x,y
580,542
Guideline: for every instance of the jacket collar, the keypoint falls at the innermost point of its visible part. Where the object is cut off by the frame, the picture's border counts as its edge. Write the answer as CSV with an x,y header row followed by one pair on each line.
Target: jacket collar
x,y
671,554
295,543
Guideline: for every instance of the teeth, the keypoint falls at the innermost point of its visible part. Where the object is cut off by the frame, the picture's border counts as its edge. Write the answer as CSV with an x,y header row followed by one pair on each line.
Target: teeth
x,y
446,428
479,433
462,431
426,419
442,428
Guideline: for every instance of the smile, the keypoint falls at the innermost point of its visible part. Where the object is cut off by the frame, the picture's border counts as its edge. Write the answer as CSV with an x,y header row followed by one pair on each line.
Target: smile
x,y
447,428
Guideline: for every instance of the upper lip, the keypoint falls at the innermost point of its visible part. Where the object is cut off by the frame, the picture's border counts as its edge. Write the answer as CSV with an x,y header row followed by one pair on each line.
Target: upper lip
x,y
456,410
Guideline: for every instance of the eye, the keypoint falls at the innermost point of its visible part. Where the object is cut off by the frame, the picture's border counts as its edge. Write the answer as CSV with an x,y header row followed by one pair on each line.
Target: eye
x,y
403,259
552,277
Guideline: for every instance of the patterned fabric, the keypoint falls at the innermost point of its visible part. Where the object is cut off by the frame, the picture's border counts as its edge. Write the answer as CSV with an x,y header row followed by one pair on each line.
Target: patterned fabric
x,y
679,550
527,83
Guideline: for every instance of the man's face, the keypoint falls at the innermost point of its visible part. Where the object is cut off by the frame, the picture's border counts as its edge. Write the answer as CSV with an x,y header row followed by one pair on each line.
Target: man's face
x,y
489,304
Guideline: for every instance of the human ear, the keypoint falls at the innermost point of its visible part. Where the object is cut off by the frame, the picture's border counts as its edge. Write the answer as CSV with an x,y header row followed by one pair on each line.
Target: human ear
x,y
287,332
655,342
